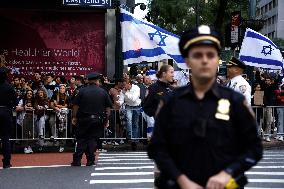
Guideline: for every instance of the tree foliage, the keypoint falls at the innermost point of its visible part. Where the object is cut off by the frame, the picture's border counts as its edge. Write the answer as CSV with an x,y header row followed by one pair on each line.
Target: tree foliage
x,y
179,15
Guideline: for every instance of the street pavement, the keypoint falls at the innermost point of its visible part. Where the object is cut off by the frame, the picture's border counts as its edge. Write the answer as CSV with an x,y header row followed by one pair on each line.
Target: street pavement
x,y
116,170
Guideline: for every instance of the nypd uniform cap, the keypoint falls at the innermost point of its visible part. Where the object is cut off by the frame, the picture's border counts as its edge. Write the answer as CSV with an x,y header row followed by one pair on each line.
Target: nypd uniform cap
x,y
236,62
203,35
93,75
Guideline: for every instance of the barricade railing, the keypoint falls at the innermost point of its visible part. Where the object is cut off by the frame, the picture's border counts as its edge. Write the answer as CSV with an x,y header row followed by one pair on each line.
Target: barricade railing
x,y
269,118
116,130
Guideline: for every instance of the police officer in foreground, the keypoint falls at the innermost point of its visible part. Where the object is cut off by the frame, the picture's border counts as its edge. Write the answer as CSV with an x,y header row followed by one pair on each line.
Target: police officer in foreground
x,y
205,134
8,100
91,110
235,69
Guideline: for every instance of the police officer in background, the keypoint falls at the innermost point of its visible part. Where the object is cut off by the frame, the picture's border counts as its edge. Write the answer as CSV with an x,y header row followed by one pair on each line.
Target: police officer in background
x,y
91,110
205,134
158,90
235,69
8,100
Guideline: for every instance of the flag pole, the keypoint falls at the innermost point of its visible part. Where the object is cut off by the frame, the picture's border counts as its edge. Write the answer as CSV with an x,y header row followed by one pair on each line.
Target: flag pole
x,y
118,45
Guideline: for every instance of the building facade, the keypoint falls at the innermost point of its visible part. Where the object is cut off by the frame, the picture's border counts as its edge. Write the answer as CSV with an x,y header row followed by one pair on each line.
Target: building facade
x,y
272,12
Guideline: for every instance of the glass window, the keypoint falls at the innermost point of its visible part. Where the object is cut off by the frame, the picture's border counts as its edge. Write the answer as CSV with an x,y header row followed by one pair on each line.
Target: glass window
x,y
270,5
266,8
273,19
274,3
269,21
262,10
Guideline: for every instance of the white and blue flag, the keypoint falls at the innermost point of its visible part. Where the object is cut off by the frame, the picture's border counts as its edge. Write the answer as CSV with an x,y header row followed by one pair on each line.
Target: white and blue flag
x,y
259,51
143,41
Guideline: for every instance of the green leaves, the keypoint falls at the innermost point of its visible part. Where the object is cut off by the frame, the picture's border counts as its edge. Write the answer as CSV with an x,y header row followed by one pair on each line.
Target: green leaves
x,y
179,15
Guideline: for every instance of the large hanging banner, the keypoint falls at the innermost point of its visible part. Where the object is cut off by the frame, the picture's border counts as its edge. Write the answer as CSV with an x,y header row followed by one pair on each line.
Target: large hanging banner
x,y
63,43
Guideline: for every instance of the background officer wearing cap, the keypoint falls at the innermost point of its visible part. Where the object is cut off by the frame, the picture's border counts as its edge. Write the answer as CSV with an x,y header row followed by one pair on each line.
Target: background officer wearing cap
x,y
235,69
91,110
205,134
8,100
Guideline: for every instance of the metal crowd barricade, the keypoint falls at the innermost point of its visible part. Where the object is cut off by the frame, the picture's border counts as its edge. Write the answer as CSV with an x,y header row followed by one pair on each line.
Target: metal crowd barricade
x,y
111,133
47,116
265,115
113,128
270,119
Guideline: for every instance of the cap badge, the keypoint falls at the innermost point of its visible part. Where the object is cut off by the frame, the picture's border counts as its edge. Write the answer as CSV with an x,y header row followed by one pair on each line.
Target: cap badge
x,y
203,29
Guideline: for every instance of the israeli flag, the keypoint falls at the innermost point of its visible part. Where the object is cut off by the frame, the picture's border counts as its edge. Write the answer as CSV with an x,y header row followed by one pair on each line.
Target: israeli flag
x,y
143,41
259,51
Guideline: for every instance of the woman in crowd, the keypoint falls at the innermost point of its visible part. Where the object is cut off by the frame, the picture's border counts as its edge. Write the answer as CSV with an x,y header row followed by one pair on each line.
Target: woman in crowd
x,y
25,119
41,105
59,103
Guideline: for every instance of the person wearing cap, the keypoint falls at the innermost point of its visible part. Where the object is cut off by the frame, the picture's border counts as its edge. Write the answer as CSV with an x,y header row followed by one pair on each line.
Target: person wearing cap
x,y
8,100
235,69
205,134
91,109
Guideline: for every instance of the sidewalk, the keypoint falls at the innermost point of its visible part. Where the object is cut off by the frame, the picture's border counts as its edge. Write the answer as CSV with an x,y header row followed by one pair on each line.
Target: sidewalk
x,y
273,144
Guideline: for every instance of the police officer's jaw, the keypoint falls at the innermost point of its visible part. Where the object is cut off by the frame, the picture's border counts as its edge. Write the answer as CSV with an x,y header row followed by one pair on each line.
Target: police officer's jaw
x,y
203,61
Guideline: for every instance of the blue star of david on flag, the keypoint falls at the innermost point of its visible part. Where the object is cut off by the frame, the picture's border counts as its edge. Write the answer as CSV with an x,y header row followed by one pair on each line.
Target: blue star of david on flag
x,y
162,37
267,50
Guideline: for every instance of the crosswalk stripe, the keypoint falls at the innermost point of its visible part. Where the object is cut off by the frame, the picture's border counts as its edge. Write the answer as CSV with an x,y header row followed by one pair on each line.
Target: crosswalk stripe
x,y
128,163
119,154
269,167
123,160
273,158
266,180
272,155
106,157
109,153
121,181
115,168
123,173
264,173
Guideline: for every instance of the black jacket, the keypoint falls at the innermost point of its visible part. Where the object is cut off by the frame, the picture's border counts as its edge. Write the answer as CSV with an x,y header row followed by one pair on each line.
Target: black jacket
x,y
156,93
200,138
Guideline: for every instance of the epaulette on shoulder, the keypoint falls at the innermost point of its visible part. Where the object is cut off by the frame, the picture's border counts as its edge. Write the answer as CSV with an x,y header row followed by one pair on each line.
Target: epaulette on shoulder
x,y
230,93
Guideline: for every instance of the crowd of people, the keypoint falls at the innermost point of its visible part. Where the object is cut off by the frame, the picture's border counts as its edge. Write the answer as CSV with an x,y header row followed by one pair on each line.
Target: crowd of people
x,y
44,103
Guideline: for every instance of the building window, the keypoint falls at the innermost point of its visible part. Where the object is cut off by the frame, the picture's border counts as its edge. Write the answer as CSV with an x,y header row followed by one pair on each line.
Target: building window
x,y
272,35
262,10
273,19
274,3
270,5
266,8
269,21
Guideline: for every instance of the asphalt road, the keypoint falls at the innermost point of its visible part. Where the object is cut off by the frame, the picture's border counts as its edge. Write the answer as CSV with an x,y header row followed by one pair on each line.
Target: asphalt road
x,y
117,170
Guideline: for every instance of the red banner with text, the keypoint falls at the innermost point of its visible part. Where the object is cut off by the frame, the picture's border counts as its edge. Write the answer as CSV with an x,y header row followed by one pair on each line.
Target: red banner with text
x,y
63,43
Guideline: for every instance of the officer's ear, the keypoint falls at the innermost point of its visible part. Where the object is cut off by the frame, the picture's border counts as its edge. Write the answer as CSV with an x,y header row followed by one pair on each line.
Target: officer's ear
x,y
187,61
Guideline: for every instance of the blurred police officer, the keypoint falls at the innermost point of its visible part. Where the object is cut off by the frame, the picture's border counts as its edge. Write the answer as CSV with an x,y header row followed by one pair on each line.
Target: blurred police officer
x,y
235,69
8,100
159,89
91,111
205,134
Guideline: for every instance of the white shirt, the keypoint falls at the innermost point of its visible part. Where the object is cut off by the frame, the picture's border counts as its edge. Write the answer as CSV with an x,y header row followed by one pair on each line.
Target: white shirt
x,y
131,97
239,84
